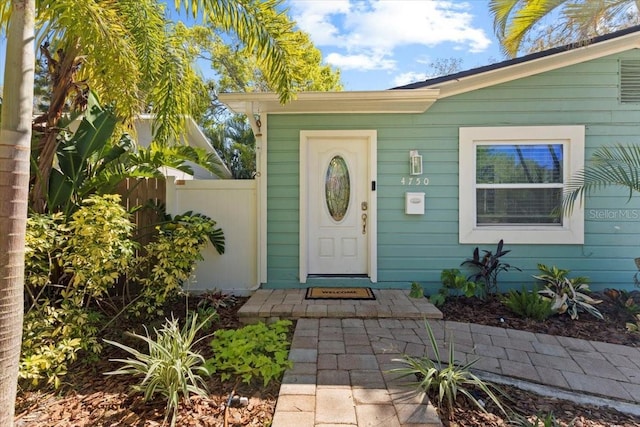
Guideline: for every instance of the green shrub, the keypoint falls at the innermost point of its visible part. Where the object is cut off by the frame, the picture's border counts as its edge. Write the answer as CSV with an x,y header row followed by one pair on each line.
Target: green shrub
x,y
568,295
70,266
529,305
170,368
443,382
416,290
52,337
170,260
252,351
453,282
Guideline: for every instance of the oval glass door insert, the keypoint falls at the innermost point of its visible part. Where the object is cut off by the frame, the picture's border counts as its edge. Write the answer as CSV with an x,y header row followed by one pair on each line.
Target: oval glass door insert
x,y
337,188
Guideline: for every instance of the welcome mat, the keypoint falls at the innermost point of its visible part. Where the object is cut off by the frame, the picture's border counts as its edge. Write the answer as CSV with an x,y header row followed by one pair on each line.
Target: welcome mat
x,y
339,293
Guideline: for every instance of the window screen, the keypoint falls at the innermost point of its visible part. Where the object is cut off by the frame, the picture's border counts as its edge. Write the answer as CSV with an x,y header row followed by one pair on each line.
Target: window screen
x,y
518,184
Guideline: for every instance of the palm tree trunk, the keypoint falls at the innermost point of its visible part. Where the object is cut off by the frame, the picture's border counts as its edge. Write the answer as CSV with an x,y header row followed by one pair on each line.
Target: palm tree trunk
x,y
15,143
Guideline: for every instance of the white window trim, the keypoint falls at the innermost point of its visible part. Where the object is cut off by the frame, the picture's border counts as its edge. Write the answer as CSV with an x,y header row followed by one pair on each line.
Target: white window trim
x,y
572,229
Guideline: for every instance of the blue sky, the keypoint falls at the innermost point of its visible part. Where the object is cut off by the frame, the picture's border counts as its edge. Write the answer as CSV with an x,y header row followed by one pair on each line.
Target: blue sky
x,y
378,44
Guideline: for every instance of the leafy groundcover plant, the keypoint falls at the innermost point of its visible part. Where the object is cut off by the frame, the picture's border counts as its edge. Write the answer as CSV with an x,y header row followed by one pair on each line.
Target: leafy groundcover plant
x,y
171,367
445,381
257,350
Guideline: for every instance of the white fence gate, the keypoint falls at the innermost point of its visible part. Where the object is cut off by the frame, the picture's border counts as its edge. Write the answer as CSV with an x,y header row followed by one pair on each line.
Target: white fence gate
x,y
232,204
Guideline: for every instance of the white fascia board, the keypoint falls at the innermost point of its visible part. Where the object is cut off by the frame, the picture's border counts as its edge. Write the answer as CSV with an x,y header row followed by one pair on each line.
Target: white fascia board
x,y
537,66
387,101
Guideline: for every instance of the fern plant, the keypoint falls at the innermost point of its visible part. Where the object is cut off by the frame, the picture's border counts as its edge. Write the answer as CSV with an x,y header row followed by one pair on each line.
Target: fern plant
x,y
530,305
445,381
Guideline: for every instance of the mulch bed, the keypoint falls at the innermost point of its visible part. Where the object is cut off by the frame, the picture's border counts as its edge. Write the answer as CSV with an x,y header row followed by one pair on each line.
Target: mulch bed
x,y
493,312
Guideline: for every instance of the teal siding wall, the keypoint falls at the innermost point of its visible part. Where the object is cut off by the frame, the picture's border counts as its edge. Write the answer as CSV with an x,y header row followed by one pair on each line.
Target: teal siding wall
x,y
418,248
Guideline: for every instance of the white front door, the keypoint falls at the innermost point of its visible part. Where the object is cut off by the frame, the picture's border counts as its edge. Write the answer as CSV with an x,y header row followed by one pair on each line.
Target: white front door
x,y
337,194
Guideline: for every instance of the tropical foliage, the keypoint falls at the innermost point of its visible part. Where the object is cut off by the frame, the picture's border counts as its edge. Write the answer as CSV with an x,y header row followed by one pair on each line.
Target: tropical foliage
x,y
453,281
236,144
136,61
125,52
528,304
257,350
610,166
487,267
76,266
69,267
514,19
169,260
170,367
568,295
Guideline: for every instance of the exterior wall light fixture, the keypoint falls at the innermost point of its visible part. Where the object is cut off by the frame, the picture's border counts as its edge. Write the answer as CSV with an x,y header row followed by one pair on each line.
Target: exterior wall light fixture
x,y
415,163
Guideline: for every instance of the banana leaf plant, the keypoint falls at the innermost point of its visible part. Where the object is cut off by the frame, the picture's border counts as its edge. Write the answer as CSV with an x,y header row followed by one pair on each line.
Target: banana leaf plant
x,y
89,161
82,155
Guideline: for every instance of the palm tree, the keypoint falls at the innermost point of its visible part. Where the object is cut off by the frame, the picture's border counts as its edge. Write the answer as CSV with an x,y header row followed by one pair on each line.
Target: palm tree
x,y
235,143
97,31
138,67
616,166
514,19
15,140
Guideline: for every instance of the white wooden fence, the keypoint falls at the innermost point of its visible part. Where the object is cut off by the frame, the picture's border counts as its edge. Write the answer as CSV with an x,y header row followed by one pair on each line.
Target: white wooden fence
x,y
232,204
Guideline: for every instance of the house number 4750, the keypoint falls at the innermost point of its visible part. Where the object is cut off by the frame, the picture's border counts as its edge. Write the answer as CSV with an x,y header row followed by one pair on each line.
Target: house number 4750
x,y
414,181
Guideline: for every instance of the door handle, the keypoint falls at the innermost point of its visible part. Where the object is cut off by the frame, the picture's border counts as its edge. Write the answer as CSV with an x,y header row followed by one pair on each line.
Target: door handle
x,y
364,223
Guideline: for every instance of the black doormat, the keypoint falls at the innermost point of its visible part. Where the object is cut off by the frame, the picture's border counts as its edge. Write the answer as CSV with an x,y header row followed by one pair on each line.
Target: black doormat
x,y
340,293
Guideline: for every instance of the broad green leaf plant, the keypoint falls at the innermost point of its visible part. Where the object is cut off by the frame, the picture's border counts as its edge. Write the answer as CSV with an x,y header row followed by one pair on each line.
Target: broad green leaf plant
x,y
257,350
169,260
568,295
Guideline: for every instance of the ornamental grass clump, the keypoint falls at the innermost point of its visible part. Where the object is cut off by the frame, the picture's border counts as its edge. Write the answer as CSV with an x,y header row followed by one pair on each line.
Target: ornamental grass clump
x,y
170,368
446,382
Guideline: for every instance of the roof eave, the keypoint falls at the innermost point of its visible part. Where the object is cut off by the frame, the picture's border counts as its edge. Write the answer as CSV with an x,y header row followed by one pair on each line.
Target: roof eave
x,y
396,101
536,66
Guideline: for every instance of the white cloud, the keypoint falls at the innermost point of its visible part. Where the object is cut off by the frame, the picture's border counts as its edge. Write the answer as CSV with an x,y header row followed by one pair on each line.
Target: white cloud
x,y
360,62
409,77
377,28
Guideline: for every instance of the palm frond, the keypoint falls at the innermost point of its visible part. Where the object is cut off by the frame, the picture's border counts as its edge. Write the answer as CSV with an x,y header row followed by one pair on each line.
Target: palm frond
x,y
261,27
611,166
523,20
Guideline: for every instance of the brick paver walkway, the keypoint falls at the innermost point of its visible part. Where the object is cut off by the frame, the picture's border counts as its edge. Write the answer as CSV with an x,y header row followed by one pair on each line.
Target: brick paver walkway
x,y
339,376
